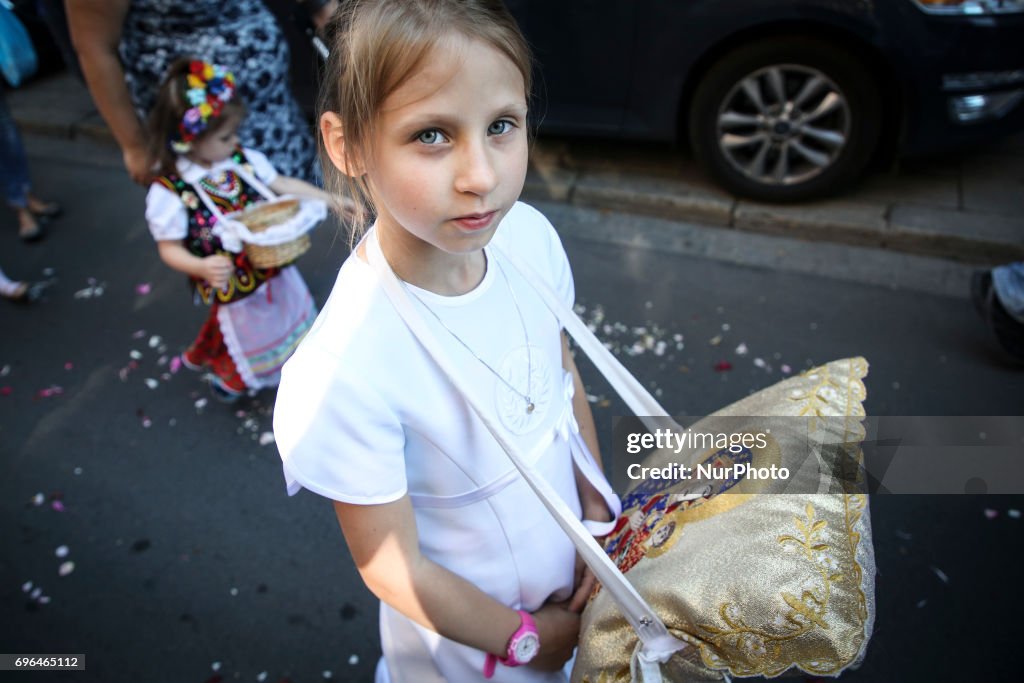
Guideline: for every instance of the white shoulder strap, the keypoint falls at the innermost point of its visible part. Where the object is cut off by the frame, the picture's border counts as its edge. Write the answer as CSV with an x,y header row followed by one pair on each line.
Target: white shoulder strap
x,y
658,643
625,384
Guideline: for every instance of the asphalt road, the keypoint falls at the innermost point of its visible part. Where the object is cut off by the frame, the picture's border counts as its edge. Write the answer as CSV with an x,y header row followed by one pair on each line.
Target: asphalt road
x,y
191,563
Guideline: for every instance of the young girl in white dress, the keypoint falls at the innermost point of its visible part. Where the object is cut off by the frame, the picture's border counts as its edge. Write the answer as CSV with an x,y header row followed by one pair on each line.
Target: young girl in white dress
x,y
424,120
257,315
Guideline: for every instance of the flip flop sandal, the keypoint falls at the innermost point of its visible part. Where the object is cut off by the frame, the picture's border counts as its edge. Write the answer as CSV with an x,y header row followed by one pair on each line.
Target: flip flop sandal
x,y
31,234
49,210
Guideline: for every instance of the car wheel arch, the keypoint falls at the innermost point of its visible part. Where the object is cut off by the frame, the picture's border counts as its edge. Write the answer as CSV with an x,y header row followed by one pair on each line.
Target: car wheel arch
x,y
888,84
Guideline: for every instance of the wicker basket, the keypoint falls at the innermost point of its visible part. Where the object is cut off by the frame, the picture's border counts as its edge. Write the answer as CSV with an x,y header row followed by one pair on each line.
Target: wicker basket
x,y
263,216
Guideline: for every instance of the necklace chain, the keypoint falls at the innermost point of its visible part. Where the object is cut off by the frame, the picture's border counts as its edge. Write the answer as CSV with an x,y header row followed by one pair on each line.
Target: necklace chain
x,y
529,356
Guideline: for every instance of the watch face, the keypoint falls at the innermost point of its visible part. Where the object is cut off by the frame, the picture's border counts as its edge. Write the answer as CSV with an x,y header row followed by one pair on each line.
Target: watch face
x,y
526,647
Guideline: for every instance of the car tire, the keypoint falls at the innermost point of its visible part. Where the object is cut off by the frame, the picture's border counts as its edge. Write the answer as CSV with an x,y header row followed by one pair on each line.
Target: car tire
x,y
786,119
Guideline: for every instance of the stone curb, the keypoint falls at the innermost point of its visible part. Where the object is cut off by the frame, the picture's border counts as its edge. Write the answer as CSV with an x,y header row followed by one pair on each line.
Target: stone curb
x,y
949,233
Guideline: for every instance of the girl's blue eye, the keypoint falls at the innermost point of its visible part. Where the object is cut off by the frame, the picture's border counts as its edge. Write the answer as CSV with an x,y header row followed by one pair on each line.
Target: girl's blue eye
x,y
499,127
430,137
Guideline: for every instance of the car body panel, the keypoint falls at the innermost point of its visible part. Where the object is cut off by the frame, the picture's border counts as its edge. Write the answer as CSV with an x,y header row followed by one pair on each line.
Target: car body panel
x,y
625,42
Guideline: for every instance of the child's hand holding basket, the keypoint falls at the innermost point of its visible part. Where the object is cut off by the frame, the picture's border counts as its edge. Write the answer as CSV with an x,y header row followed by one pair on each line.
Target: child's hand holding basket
x,y
275,233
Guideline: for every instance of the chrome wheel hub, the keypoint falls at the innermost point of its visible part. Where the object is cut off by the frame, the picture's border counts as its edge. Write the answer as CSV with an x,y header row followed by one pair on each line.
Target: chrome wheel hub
x,y
783,124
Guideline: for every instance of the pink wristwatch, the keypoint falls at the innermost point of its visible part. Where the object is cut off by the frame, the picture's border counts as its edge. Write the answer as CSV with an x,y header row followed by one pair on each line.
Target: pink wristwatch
x,y
523,646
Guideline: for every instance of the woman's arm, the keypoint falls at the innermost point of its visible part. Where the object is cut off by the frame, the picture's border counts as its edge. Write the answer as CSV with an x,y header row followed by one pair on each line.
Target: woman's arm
x,y
95,27
215,269
384,543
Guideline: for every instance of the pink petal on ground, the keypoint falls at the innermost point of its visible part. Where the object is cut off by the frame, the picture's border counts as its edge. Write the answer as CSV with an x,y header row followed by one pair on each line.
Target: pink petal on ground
x,y
175,364
991,514
57,505
143,289
69,366
138,334
5,391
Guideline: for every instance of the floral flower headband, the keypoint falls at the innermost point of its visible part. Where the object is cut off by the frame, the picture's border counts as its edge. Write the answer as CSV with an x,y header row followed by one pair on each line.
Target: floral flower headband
x,y
210,86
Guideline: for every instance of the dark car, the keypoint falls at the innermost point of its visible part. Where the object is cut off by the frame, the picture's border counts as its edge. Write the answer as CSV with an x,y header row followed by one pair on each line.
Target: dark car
x,y
780,100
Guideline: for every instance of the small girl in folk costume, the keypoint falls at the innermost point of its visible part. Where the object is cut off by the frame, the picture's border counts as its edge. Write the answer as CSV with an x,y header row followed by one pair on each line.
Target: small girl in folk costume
x,y
257,316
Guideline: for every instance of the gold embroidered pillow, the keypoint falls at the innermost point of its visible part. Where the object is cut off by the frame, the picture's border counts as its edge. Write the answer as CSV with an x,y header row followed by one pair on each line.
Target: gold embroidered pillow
x,y
756,578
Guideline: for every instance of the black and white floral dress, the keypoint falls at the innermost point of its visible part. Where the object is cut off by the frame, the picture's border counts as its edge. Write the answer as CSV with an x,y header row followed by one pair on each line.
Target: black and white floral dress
x,y
243,36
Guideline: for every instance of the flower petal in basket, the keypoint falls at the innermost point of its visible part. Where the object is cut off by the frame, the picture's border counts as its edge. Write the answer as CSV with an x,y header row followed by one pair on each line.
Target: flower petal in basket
x,y
760,577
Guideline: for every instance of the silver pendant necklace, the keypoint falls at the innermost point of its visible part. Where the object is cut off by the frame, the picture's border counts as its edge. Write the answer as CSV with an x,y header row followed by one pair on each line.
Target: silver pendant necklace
x,y
530,407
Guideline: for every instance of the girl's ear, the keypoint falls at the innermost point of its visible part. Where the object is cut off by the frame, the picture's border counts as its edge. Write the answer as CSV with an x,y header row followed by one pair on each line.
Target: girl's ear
x,y
333,134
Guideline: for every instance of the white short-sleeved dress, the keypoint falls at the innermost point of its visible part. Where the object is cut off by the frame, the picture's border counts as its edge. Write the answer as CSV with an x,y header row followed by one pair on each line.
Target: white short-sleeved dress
x,y
364,416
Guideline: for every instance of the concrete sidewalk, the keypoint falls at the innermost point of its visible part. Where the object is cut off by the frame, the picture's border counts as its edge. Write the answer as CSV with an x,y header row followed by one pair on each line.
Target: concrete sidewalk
x,y
967,208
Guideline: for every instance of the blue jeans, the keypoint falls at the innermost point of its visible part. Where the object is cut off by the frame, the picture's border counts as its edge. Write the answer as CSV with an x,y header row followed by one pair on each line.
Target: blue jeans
x,y
13,164
1008,282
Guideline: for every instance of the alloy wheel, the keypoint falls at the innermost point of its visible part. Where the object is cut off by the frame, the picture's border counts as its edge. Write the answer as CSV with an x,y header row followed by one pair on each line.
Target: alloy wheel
x,y
783,124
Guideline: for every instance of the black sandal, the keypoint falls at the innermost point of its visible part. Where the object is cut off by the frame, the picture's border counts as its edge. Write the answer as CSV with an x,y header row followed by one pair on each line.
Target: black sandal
x,y
1008,331
49,210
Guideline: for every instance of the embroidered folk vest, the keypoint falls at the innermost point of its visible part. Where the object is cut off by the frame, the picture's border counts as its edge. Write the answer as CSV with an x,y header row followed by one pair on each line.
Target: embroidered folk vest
x,y
229,193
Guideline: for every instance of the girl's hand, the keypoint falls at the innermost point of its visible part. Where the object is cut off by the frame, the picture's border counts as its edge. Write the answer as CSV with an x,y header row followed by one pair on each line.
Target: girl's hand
x,y
136,160
217,270
583,586
559,631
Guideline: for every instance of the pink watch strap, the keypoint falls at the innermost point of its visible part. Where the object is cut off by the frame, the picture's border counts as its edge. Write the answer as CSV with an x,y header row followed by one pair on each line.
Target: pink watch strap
x,y
526,625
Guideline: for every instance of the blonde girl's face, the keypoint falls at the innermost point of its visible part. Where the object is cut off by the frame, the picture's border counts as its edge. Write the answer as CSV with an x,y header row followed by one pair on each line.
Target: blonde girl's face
x,y
449,153
217,145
